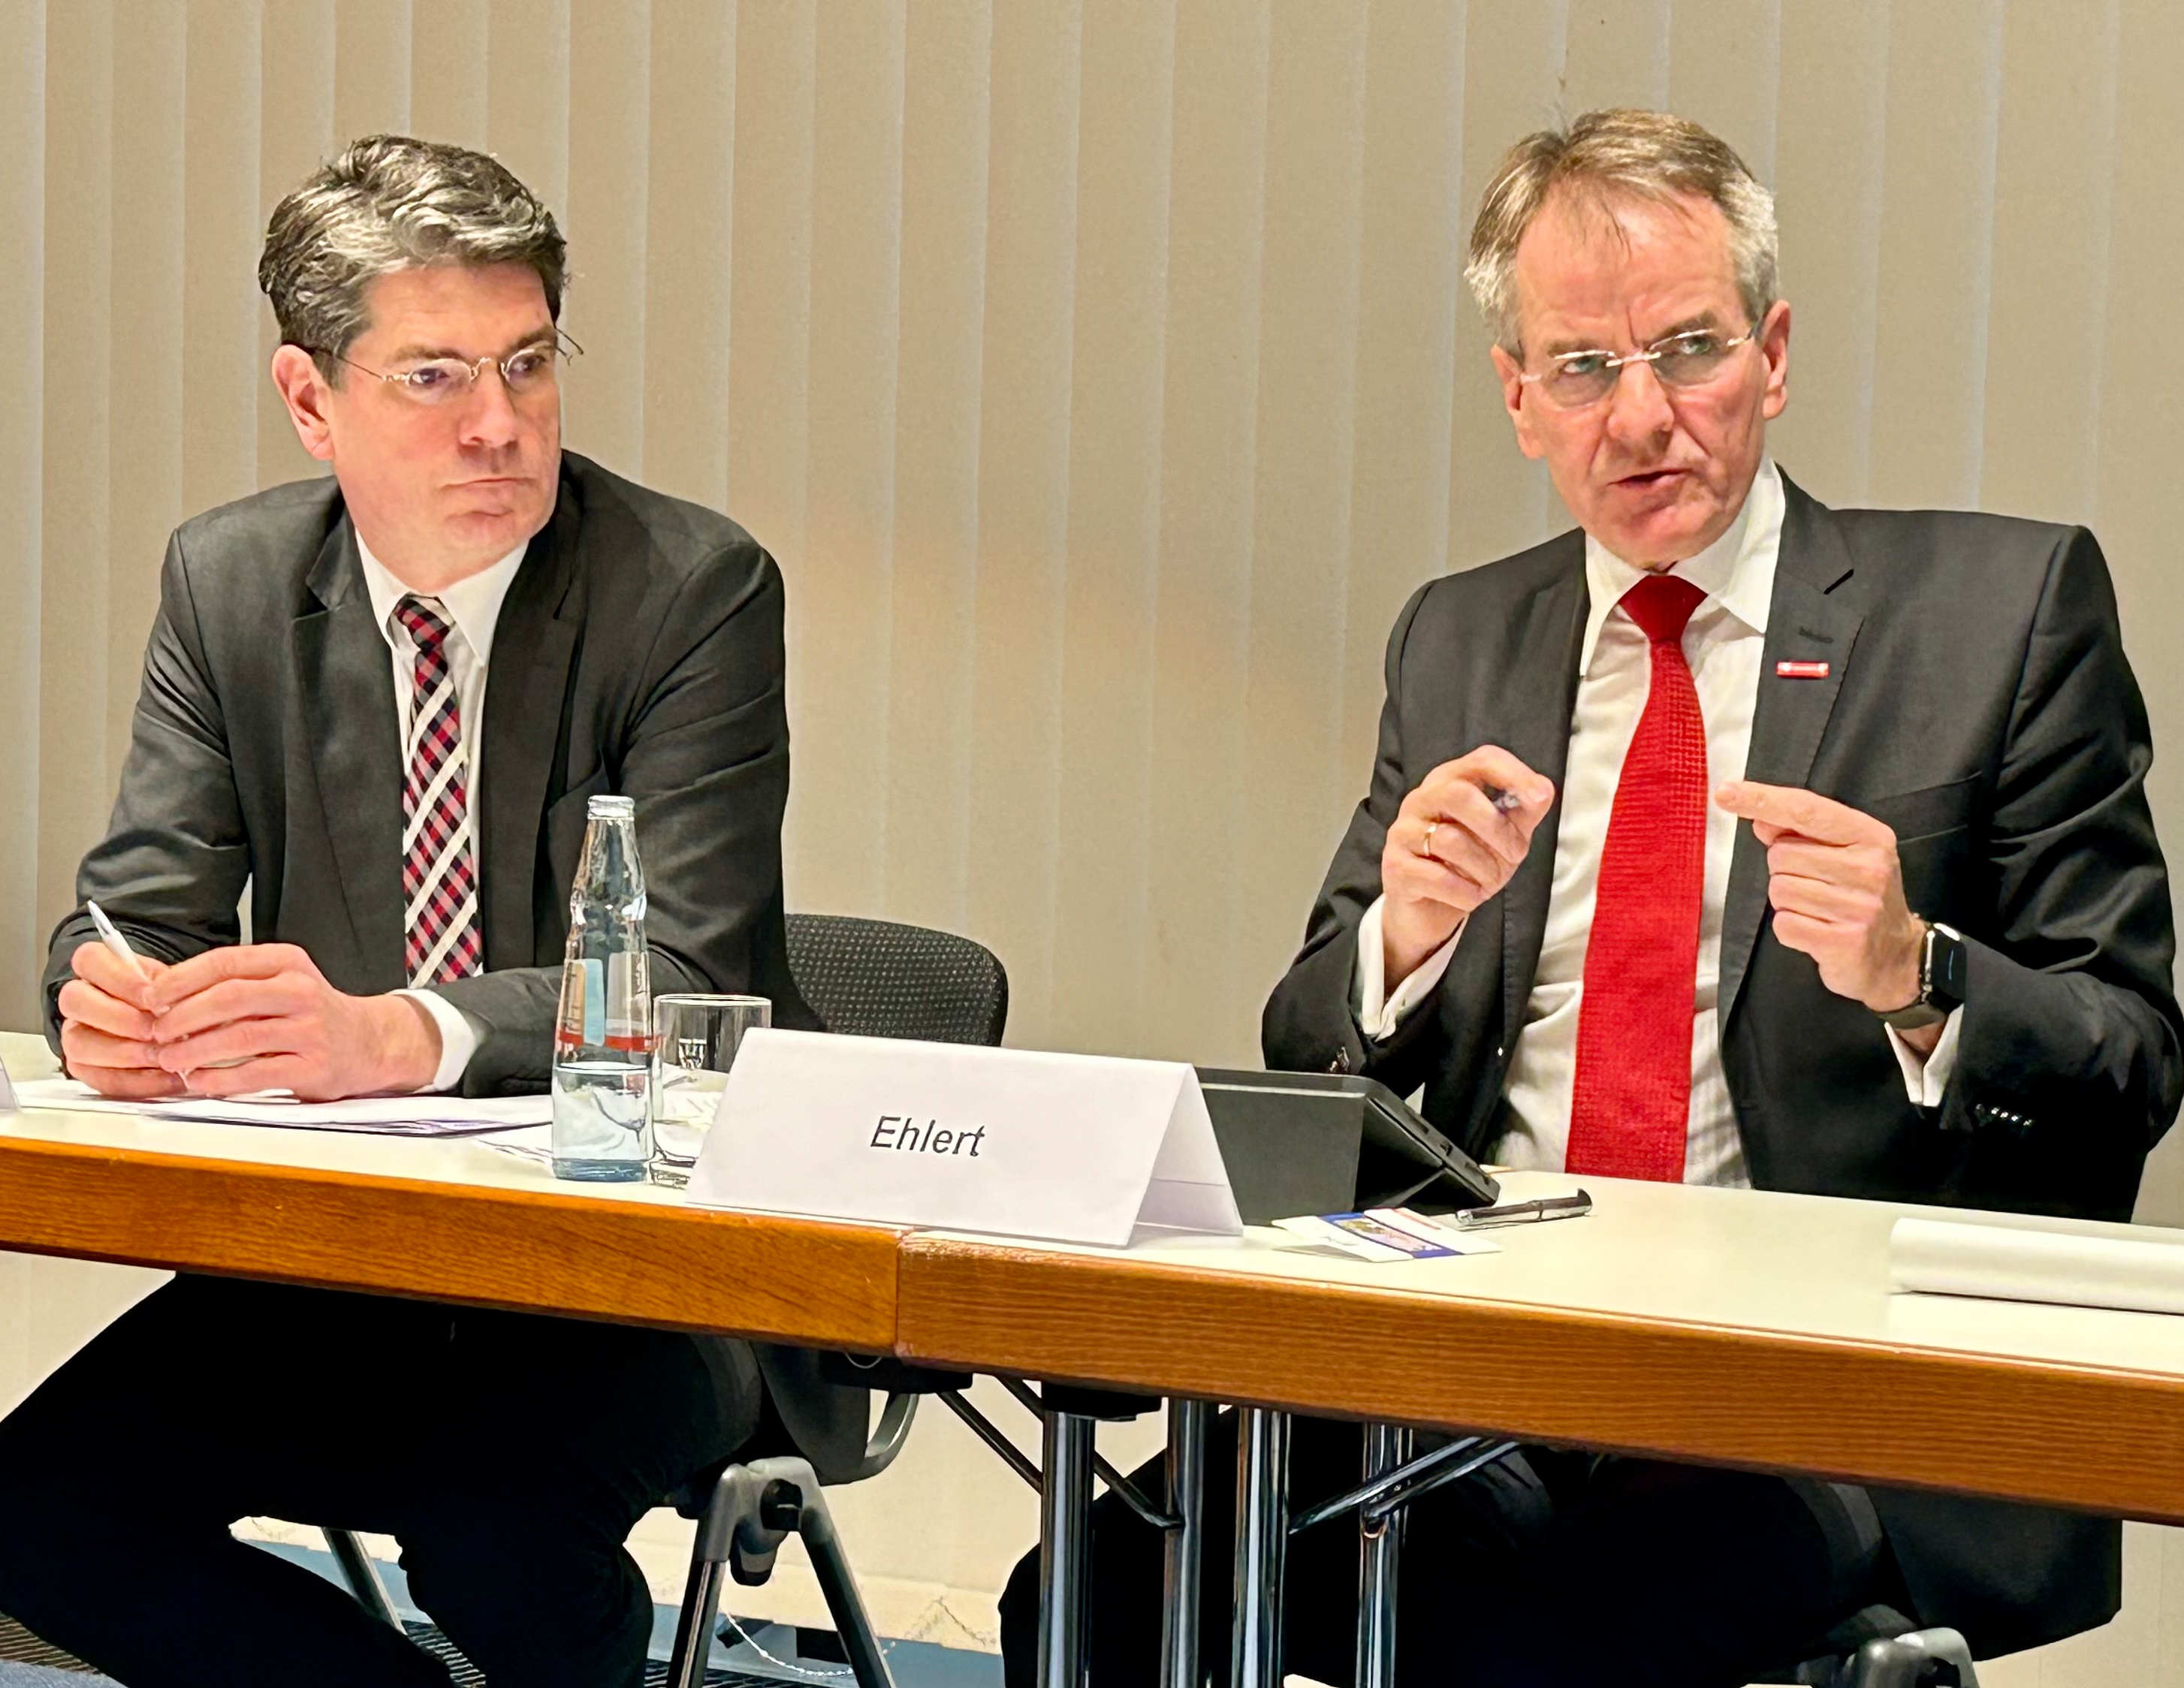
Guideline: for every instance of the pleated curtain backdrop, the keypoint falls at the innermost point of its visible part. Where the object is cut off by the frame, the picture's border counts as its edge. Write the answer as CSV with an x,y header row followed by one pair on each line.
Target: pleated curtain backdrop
x,y
1101,375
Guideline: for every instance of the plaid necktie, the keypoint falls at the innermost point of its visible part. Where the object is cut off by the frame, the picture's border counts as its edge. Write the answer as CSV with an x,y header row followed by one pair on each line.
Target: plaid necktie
x,y
442,938
1631,1102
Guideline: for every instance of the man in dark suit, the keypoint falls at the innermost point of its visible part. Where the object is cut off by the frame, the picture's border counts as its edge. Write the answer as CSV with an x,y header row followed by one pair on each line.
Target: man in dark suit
x,y
467,625
1736,840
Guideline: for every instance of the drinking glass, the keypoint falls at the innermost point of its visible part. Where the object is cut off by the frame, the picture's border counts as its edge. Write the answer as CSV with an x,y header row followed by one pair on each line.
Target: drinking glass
x,y
694,1039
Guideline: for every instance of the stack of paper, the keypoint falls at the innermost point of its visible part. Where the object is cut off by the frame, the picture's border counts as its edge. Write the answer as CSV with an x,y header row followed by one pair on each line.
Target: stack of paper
x,y
381,1115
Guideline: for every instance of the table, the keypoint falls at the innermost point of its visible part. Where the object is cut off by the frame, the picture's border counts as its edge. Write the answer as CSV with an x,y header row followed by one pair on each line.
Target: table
x,y
1728,1326
1724,1325
1687,1323
449,1219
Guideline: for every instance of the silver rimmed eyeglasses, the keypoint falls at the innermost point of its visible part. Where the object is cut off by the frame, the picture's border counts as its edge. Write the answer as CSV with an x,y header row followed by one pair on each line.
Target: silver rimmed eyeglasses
x,y
525,371
1573,380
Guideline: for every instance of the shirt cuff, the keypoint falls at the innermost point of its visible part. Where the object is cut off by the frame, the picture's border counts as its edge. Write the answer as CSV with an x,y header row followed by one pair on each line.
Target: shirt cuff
x,y
1379,1014
459,1039
1926,1077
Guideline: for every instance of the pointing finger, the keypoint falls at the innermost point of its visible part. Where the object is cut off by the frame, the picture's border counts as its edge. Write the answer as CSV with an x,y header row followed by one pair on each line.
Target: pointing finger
x,y
1795,810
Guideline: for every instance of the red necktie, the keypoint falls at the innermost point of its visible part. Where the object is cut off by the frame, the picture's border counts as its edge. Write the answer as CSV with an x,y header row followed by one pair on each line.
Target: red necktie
x,y
1631,1101
439,884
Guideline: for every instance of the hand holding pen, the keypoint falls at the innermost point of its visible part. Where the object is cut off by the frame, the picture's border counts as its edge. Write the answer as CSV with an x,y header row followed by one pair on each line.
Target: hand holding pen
x,y
1459,838
108,1028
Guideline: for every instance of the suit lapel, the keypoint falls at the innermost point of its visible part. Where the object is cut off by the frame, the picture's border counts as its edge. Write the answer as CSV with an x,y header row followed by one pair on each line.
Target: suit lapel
x,y
526,689
1814,616
1539,692
345,689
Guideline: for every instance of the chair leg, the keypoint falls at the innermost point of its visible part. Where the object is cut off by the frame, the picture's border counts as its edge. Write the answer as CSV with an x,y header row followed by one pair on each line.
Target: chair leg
x,y
362,1576
831,1566
754,1508
733,1493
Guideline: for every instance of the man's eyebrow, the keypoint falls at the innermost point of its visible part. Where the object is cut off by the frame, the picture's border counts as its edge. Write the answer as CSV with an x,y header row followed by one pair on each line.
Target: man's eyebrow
x,y
1706,320
418,352
1564,347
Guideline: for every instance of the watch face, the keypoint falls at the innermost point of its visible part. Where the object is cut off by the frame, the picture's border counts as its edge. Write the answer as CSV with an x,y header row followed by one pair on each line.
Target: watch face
x,y
1945,970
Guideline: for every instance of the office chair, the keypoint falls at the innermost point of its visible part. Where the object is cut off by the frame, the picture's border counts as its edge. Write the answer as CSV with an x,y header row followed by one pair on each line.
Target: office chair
x,y
876,978
873,978
1880,1647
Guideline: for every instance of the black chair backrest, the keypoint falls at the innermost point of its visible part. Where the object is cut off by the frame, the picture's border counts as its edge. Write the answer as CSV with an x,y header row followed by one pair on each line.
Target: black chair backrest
x,y
877,979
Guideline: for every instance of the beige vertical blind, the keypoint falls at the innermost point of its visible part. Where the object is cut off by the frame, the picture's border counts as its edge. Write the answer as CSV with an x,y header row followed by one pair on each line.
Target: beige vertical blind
x,y
1101,375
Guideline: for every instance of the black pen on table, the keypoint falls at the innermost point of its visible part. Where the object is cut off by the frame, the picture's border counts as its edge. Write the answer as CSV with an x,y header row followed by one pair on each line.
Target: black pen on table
x,y
1524,1212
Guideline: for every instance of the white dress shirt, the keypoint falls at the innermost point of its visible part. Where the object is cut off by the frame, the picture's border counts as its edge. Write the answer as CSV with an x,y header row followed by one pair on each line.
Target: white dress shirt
x,y
1723,644
473,611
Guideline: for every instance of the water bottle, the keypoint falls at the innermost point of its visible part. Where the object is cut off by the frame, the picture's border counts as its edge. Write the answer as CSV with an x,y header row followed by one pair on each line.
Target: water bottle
x,y
602,1037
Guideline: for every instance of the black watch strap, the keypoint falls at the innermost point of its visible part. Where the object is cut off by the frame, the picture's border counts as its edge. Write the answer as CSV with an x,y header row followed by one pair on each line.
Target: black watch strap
x,y
1940,981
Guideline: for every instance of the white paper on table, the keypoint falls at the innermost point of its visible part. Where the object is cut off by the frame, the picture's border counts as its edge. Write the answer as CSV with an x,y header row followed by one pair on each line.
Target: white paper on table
x,y
1065,1148
2069,1268
384,1116
7,1091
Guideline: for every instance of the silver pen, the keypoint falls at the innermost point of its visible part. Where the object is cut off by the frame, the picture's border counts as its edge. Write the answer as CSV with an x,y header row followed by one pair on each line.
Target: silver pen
x,y
109,935
1524,1212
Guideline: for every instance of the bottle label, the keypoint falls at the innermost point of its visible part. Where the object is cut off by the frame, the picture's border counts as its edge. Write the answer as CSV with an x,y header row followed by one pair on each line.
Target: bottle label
x,y
626,1021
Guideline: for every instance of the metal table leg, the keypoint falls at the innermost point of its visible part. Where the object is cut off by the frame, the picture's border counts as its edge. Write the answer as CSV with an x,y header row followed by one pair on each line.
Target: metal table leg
x,y
1263,1472
1065,1544
1187,1422
1380,1542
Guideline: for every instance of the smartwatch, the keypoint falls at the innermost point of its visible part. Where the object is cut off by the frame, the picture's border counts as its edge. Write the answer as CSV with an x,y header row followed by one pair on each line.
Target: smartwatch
x,y
1940,981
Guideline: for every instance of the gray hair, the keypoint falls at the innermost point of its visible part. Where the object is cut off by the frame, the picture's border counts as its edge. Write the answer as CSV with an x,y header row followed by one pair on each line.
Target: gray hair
x,y
391,202
1605,155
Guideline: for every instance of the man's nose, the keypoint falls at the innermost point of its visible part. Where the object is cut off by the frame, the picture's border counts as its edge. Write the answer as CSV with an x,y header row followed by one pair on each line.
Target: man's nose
x,y
1638,406
489,419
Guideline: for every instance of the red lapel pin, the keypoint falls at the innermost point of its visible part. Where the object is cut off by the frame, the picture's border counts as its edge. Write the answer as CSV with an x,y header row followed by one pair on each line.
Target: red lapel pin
x,y
1801,671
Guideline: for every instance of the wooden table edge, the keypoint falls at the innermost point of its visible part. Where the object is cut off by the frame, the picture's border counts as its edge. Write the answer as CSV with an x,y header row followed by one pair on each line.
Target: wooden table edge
x,y
810,1282
2090,1437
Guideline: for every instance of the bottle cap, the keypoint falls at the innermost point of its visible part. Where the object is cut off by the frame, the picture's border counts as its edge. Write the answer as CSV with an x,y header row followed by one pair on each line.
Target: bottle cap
x,y
610,808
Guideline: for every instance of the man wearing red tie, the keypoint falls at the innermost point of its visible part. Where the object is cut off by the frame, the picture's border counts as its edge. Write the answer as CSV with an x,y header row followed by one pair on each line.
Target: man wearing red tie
x,y
1736,840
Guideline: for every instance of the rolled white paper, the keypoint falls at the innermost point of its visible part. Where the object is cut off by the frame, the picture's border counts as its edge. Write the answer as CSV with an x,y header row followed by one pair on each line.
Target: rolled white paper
x,y
2065,1267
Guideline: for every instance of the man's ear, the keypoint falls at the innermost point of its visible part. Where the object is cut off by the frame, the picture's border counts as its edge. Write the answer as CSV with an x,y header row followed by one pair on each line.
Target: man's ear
x,y
1511,374
1773,337
304,391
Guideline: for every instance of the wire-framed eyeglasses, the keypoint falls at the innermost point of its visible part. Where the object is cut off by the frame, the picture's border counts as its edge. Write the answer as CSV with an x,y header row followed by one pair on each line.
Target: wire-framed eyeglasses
x,y
1574,380
526,371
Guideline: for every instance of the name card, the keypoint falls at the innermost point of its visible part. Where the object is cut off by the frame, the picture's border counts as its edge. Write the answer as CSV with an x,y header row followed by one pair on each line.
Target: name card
x,y
1065,1148
7,1091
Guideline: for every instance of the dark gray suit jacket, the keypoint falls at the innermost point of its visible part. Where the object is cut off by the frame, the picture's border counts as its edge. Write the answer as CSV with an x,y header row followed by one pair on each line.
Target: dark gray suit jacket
x,y
1977,700
639,651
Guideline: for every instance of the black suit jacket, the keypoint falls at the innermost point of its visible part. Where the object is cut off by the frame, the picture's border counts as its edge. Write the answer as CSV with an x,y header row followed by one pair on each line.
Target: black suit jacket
x,y
1979,702
639,651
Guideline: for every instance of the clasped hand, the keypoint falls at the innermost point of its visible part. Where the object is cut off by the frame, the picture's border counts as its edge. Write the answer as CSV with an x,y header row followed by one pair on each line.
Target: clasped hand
x,y
256,1017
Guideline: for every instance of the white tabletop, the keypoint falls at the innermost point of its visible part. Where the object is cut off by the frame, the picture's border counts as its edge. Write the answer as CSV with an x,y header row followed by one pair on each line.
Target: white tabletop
x,y
1737,1260
452,1160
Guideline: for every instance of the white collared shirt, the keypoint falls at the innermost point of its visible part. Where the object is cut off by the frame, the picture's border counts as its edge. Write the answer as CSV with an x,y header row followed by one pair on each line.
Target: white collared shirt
x,y
473,612
1723,643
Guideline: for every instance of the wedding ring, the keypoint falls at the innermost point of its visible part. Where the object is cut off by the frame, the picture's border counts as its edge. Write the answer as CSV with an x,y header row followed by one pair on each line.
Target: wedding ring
x,y
1425,844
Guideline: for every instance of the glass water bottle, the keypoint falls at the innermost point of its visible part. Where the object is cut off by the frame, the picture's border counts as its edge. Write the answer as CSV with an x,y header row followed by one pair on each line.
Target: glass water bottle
x,y
602,1038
